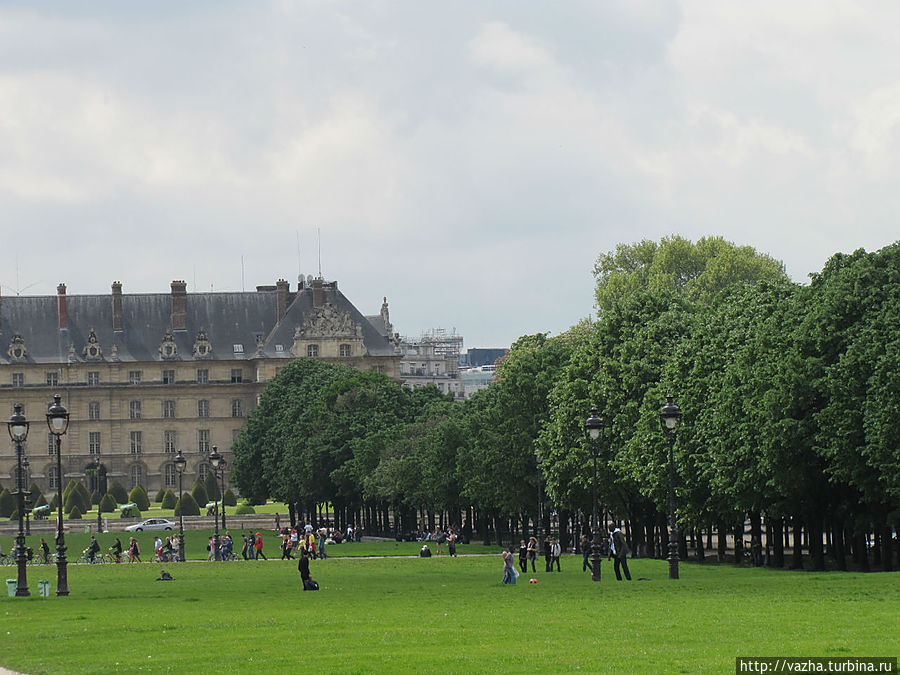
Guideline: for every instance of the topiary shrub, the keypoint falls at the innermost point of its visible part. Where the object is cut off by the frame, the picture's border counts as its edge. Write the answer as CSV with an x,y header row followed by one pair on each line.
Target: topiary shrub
x,y
169,500
75,513
212,487
72,502
14,515
95,497
160,496
7,503
199,493
108,504
187,506
229,499
139,496
118,492
244,510
54,503
36,493
40,502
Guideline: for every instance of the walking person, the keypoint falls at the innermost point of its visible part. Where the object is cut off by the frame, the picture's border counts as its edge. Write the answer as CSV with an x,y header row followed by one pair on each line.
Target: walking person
x,y
134,551
523,556
509,571
555,552
586,553
618,549
451,543
251,545
548,554
259,547
532,552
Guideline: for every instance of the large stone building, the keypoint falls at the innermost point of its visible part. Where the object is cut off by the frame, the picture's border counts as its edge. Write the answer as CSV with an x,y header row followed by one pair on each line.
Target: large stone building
x,y
144,375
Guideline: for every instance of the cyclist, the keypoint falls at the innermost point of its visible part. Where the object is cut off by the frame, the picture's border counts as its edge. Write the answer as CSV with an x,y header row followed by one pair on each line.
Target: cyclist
x,y
45,551
116,550
93,549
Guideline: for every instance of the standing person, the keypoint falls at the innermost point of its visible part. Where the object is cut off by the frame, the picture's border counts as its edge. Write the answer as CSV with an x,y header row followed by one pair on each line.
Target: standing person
x,y
295,538
277,523
251,546
321,543
134,551
451,543
509,571
523,556
532,551
259,547
303,566
586,553
438,539
245,543
45,551
157,548
555,552
211,547
548,554
618,548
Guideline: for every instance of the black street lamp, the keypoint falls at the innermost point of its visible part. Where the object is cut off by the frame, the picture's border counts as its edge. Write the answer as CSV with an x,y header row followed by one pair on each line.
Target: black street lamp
x,y
540,504
58,421
28,504
670,418
593,425
221,475
18,432
100,497
180,464
215,459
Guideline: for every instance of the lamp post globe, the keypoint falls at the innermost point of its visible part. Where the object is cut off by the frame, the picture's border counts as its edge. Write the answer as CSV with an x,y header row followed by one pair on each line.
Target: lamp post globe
x,y
593,425
215,459
180,464
670,419
18,432
58,423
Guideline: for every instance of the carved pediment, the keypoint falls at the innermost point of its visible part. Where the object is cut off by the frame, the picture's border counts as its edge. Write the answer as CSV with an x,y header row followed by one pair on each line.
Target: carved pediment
x,y
17,350
202,346
168,349
328,322
92,350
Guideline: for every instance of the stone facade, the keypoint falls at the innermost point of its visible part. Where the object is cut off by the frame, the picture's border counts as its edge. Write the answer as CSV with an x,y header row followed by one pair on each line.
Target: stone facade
x,y
145,375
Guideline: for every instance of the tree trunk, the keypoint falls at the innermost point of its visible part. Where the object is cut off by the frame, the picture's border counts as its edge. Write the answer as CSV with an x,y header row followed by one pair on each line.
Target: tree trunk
x,y
816,552
701,554
837,540
755,536
887,553
739,541
778,542
797,559
723,540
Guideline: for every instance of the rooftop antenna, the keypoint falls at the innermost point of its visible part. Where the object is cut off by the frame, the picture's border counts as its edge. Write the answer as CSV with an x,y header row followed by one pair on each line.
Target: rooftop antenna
x,y
319,230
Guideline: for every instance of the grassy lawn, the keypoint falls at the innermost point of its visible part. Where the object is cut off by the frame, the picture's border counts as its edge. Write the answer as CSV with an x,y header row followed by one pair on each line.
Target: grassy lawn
x,y
414,615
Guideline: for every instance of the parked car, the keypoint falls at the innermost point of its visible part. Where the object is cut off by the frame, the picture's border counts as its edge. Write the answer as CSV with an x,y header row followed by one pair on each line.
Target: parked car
x,y
151,524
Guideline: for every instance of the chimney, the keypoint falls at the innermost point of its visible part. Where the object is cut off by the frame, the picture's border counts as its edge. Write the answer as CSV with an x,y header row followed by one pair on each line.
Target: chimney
x,y
318,292
282,288
179,305
117,305
61,307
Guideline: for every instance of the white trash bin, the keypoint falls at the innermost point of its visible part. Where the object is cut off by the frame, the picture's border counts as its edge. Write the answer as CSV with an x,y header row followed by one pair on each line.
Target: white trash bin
x,y
44,588
11,587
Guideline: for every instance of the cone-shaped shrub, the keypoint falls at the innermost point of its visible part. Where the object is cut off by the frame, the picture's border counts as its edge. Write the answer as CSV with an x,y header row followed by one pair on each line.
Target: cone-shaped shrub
x,y
85,497
200,494
108,504
187,506
169,500
73,502
36,493
7,503
95,497
75,513
160,496
40,502
212,487
14,515
54,503
229,499
139,497
118,492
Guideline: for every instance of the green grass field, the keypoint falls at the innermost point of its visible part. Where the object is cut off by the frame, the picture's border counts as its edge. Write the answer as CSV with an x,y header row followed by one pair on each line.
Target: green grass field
x,y
451,615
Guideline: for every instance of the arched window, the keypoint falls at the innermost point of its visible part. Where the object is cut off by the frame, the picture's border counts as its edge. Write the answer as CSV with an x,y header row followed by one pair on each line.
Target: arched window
x,y
137,475
53,476
170,475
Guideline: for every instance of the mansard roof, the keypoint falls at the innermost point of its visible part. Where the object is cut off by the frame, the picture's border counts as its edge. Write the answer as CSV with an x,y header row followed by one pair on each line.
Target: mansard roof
x,y
227,319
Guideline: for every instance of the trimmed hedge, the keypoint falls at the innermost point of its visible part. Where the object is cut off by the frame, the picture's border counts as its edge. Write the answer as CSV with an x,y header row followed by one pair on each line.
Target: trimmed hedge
x,y
75,513
201,496
244,510
187,506
7,503
169,500
229,499
108,504
160,496
139,496
118,492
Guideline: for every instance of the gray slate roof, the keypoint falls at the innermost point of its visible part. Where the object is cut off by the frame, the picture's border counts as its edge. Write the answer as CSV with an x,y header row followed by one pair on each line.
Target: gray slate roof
x,y
228,319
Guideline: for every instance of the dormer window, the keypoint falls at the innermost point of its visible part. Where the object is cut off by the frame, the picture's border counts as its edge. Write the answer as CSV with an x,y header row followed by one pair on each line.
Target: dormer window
x,y
312,351
17,350
238,349
92,351
202,347
345,350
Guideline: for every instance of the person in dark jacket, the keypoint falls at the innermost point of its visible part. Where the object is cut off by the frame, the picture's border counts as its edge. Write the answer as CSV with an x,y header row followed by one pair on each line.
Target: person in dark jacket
x,y
303,566
548,554
619,550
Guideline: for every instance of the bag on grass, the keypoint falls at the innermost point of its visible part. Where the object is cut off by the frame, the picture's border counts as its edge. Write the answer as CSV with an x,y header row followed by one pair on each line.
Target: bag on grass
x,y
310,585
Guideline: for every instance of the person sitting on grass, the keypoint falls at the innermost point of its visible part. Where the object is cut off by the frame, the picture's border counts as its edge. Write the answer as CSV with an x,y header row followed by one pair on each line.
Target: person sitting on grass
x,y
425,552
165,576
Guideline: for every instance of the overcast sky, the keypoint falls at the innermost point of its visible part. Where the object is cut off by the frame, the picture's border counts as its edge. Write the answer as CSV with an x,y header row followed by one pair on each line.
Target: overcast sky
x,y
468,160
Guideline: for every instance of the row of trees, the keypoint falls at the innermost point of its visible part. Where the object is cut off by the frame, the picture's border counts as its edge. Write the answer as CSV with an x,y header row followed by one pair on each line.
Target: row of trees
x,y
789,393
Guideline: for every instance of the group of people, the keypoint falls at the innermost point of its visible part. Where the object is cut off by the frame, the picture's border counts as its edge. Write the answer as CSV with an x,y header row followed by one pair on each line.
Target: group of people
x,y
440,537
305,538
615,547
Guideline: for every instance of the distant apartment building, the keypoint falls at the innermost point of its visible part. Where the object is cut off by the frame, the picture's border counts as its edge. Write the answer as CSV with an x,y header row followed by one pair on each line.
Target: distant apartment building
x,y
432,359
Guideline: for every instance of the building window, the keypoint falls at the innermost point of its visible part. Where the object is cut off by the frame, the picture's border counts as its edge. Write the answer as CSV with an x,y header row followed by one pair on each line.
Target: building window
x,y
137,475
94,410
137,442
94,442
237,375
237,410
53,379
168,377
203,408
203,471
18,379
135,376
203,440
202,376
169,438
93,378
345,350
134,410
51,444
170,475
238,349
312,350
169,409
53,476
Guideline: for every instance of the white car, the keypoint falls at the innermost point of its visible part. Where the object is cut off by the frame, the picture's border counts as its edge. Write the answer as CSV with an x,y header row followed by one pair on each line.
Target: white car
x,y
151,524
